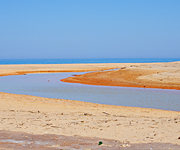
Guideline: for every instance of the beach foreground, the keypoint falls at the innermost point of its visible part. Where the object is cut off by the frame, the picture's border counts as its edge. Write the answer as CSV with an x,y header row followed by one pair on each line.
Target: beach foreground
x,y
30,117
126,125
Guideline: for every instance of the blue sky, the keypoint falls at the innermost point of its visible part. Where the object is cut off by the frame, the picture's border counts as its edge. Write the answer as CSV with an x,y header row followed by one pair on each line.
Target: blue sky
x,y
89,28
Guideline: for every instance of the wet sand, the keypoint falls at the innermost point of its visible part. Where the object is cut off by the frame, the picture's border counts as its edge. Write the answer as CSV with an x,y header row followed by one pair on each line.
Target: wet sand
x,y
31,116
24,141
160,75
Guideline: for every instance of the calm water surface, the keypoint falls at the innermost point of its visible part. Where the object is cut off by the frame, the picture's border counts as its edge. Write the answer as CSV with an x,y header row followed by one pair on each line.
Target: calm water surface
x,y
87,60
49,85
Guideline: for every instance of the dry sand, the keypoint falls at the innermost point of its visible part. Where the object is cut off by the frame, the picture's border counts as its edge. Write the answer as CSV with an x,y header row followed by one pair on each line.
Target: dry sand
x,y
36,115
127,125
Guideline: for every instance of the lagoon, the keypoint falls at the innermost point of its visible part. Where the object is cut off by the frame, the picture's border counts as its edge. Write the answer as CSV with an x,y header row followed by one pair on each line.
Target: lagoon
x,y
49,85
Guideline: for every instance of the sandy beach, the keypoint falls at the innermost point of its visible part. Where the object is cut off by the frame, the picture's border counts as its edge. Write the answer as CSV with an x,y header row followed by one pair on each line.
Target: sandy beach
x,y
116,126
36,115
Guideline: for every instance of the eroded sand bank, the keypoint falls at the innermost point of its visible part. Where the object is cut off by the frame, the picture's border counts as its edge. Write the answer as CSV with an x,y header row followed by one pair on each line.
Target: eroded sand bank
x,y
157,75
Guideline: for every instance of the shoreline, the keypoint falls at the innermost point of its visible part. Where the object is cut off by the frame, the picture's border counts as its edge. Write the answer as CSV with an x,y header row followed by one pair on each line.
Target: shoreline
x,y
143,75
39,115
160,76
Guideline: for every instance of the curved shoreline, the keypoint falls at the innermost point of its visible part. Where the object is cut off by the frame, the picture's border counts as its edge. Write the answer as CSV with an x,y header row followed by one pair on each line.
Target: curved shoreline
x,y
86,79
143,75
156,76
38,115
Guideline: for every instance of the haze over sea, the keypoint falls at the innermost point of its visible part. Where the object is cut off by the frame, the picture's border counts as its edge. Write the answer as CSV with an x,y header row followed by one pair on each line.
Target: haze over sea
x,y
87,60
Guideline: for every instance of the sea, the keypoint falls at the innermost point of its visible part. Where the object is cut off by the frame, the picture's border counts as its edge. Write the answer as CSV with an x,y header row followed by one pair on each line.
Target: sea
x,y
87,60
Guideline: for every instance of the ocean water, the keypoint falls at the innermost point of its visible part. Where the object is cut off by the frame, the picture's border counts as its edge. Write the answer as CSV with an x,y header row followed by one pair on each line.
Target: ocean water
x,y
90,60
49,85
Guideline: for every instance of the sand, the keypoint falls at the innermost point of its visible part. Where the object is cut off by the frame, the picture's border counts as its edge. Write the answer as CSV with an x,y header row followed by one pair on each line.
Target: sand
x,y
30,116
50,68
160,75
37,115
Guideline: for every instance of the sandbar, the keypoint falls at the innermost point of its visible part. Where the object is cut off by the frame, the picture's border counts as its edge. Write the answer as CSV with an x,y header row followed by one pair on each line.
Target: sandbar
x,y
156,75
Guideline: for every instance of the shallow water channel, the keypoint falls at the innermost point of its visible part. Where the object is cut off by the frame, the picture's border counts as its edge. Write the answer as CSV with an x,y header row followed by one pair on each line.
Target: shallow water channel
x,y
49,85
